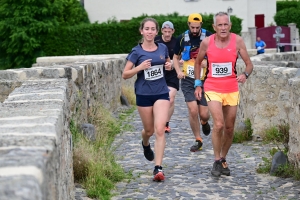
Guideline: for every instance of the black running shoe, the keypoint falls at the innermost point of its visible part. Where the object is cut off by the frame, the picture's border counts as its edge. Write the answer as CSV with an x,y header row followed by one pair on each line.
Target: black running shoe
x,y
197,146
225,169
158,175
206,129
217,168
148,153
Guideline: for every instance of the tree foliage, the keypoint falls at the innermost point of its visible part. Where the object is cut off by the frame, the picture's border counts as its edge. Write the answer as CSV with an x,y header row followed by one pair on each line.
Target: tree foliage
x,y
281,5
286,16
25,23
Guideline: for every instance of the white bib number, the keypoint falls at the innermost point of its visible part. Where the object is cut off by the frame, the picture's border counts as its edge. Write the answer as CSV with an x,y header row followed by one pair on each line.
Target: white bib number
x,y
221,69
154,72
190,71
258,48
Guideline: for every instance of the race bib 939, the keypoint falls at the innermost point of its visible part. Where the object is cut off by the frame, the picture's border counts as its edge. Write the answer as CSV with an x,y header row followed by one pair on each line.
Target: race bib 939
x,y
221,69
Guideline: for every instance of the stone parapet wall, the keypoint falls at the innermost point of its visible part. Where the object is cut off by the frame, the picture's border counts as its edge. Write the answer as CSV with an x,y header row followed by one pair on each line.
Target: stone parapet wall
x,y
36,107
253,52
36,156
270,96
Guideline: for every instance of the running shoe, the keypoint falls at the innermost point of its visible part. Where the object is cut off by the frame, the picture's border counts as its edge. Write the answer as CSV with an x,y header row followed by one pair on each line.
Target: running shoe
x,y
167,129
225,169
217,168
148,153
197,146
206,129
158,175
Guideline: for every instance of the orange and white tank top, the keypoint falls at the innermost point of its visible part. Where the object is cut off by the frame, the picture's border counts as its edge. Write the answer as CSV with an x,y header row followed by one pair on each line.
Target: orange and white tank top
x,y
221,74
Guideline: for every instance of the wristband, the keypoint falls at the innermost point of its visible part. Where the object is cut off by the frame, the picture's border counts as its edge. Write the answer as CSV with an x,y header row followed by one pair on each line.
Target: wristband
x,y
198,83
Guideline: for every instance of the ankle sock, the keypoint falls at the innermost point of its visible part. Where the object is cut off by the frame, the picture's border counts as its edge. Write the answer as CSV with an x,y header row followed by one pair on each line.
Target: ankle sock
x,y
167,124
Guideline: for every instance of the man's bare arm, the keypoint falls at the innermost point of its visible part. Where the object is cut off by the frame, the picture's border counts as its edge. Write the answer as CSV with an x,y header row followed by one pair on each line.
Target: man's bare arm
x,y
176,63
200,57
244,55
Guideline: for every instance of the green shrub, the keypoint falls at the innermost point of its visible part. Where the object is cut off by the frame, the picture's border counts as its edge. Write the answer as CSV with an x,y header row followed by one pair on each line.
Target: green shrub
x,y
288,15
180,22
281,5
113,37
25,24
35,28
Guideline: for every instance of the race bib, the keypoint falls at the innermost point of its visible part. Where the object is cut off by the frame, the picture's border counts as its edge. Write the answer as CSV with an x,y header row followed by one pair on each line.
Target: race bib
x,y
188,69
154,72
221,69
258,48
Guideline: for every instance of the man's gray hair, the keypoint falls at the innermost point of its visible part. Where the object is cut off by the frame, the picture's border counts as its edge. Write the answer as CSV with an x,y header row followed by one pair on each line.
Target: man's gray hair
x,y
221,14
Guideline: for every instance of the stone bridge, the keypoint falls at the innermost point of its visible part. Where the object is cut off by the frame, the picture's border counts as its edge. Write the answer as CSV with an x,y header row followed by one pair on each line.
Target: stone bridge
x,y
37,104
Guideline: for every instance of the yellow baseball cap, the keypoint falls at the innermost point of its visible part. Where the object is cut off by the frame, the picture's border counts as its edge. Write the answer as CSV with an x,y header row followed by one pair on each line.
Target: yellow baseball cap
x,y
195,17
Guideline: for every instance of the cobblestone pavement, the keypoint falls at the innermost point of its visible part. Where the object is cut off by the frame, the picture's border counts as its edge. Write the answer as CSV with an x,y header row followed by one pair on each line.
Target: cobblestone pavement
x,y
188,174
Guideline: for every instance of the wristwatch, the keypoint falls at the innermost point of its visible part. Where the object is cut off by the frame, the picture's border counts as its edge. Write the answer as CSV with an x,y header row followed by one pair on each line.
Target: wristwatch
x,y
246,74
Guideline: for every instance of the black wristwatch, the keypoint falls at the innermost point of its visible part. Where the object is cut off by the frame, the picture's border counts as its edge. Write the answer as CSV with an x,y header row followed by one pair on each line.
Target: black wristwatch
x,y
246,74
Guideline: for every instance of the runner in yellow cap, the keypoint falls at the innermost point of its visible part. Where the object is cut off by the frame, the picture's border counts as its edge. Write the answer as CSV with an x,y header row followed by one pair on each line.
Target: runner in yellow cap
x,y
187,47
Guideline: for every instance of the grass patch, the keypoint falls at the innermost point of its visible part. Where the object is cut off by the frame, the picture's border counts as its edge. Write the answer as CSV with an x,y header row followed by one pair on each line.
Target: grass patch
x,y
265,167
94,163
128,92
287,171
279,136
244,135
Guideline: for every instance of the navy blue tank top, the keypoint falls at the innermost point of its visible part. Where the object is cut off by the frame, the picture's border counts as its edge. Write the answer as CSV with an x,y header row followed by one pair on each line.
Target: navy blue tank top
x,y
151,81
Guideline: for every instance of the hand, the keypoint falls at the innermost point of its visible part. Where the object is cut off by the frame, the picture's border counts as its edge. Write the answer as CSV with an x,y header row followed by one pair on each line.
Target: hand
x,y
241,78
168,66
180,75
198,93
145,64
204,63
181,62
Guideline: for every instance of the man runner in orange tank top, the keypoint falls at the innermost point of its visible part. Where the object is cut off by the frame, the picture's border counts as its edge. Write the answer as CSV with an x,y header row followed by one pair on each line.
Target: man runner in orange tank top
x,y
221,85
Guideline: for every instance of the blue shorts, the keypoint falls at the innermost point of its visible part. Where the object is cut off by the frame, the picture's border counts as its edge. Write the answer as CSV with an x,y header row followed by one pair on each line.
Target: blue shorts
x,y
149,100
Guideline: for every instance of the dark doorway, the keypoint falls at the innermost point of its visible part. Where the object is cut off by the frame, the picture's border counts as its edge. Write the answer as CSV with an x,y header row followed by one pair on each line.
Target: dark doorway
x,y
260,21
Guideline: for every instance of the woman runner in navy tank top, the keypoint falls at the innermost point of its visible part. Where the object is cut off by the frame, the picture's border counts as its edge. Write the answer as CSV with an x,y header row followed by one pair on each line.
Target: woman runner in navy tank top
x,y
148,60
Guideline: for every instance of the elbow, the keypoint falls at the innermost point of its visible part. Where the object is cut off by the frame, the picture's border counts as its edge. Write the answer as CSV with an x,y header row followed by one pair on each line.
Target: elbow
x,y
125,76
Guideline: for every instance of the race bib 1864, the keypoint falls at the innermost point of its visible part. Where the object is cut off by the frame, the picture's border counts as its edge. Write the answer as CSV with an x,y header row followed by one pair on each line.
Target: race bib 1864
x,y
154,72
221,69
